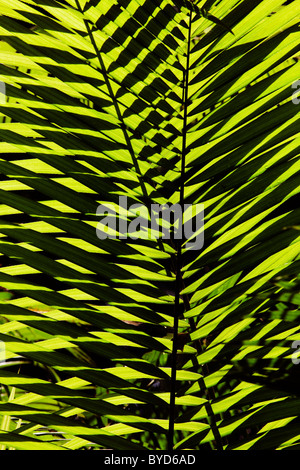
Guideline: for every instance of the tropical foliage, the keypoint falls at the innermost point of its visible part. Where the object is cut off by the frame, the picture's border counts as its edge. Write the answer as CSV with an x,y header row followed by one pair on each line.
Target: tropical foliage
x,y
142,343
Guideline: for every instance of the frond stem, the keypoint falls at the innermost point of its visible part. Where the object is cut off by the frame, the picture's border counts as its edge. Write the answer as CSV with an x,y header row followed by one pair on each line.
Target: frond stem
x,y
116,106
178,261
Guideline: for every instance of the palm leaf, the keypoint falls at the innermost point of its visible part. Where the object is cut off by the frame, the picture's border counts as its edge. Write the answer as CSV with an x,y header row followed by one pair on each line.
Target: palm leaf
x,y
134,343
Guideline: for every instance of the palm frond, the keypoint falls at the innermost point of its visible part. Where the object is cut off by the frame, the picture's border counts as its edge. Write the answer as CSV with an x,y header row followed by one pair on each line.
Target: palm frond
x,y
135,342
